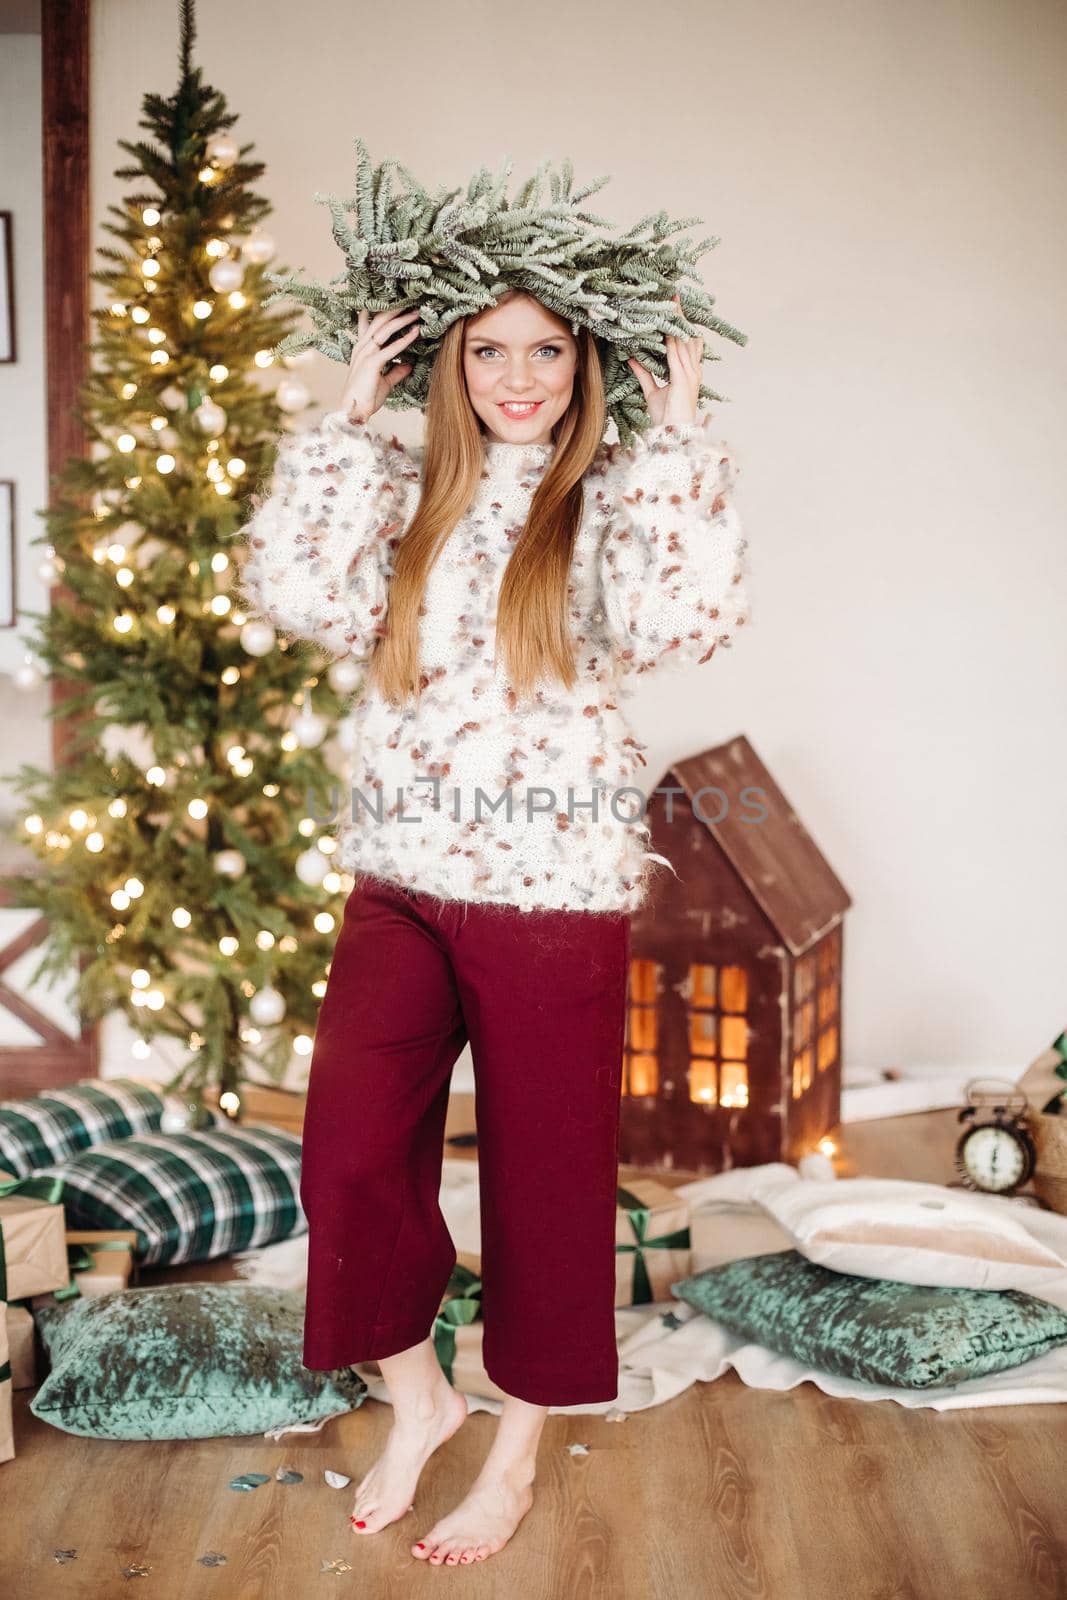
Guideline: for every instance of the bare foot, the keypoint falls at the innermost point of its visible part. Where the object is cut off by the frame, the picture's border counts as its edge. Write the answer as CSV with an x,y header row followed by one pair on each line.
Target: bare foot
x,y
387,1490
483,1522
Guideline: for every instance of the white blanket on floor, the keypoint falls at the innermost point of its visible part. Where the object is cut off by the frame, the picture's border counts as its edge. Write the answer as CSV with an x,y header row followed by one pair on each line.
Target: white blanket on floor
x,y
665,1347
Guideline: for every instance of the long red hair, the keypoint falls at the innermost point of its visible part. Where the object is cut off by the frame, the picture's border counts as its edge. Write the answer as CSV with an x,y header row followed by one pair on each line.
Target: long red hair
x,y
533,636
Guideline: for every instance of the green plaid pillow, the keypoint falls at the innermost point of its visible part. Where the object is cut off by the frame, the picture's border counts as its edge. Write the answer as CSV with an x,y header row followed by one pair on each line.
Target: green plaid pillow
x,y
190,1196
58,1123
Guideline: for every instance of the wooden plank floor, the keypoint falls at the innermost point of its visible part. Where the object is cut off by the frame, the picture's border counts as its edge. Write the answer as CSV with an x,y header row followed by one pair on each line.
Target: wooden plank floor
x,y
725,1491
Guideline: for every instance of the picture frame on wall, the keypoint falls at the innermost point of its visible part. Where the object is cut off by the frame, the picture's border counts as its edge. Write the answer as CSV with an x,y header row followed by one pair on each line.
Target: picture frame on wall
x,y
8,617
7,288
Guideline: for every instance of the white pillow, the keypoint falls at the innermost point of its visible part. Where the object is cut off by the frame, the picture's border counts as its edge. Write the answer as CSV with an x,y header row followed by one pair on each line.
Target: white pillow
x,y
922,1233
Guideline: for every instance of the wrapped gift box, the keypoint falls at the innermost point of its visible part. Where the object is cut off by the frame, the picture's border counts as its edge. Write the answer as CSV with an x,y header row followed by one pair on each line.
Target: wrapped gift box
x,y
20,1348
652,1241
33,1227
97,1263
104,1261
458,1331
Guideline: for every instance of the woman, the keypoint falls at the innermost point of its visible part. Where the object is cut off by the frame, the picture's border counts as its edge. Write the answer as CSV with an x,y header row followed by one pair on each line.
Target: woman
x,y
499,583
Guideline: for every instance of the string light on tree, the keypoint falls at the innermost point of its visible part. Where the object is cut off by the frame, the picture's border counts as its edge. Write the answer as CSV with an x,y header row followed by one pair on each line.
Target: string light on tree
x,y
222,150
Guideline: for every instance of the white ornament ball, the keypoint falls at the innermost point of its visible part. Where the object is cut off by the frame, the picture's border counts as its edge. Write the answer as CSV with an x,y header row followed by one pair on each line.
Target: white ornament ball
x,y
226,275
48,572
345,675
257,638
311,867
172,398
210,418
177,1116
267,1007
292,395
310,729
222,150
229,863
28,676
258,248
349,735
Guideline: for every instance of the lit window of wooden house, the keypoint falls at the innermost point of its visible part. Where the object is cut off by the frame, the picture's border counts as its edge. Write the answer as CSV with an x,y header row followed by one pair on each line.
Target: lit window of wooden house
x,y
816,1008
640,1074
718,1035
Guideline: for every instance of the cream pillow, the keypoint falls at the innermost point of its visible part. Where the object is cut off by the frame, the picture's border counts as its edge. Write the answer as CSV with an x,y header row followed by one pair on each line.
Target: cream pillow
x,y
921,1233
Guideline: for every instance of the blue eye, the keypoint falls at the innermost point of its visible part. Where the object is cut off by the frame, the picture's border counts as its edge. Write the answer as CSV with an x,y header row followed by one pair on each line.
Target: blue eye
x,y
486,347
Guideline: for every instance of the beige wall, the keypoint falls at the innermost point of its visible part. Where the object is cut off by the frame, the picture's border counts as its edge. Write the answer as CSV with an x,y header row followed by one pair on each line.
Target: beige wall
x,y
887,182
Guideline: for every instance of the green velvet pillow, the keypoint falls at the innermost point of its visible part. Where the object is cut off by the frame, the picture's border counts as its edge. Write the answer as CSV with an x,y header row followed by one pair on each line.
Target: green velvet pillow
x,y
184,1361
875,1329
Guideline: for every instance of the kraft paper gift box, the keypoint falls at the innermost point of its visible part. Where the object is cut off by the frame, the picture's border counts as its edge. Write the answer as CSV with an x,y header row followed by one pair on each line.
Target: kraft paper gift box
x,y
32,1223
20,1348
101,1261
652,1241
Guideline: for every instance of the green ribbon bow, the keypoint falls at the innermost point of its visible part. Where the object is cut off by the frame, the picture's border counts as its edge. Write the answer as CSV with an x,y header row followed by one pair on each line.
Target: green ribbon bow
x,y
81,1258
463,1307
640,1216
50,1190
1060,1046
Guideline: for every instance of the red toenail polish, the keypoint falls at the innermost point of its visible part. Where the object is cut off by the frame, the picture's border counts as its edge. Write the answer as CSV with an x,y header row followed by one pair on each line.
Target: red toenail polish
x,y
420,1545
359,1524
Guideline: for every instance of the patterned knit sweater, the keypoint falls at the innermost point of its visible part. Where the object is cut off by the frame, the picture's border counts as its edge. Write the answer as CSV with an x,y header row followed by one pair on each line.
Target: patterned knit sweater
x,y
478,794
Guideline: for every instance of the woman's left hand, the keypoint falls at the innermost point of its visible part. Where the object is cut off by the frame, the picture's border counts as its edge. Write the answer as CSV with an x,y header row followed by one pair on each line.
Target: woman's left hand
x,y
678,398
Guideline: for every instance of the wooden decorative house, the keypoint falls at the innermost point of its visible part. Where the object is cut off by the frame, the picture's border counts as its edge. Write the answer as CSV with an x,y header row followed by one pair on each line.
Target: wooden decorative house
x,y
733,1039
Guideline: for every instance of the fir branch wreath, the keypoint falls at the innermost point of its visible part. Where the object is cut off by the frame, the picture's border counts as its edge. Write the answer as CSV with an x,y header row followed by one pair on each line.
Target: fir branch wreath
x,y
454,254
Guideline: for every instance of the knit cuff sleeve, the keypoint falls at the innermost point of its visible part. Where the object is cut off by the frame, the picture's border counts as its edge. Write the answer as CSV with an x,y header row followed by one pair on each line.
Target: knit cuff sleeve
x,y
673,562
320,539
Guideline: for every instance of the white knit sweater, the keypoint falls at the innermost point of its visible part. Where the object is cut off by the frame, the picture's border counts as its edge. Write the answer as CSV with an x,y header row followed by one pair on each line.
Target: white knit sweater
x,y
657,580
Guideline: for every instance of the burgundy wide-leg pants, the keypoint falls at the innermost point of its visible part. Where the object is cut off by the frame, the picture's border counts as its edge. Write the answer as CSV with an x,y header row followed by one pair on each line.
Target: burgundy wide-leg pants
x,y
541,996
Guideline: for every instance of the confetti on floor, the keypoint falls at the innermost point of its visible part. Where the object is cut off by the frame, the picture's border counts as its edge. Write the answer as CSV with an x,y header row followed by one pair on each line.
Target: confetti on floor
x,y
336,1567
138,1570
289,1475
578,1449
63,1556
615,1415
212,1559
336,1480
249,1480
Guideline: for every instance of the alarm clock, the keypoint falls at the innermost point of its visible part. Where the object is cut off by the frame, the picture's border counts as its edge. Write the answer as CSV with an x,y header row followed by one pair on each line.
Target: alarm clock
x,y
995,1155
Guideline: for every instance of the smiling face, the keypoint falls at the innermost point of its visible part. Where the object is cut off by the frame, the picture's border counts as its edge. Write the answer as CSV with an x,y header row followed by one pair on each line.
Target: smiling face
x,y
518,350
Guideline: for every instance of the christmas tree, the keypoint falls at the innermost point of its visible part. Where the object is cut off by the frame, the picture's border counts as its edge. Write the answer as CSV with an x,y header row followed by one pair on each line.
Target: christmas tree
x,y
185,869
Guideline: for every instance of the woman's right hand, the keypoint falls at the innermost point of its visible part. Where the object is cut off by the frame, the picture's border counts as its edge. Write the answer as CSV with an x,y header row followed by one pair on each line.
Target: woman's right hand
x,y
367,387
